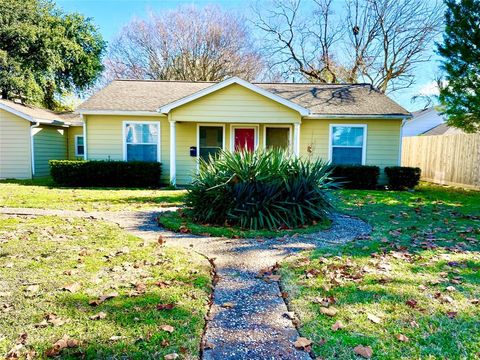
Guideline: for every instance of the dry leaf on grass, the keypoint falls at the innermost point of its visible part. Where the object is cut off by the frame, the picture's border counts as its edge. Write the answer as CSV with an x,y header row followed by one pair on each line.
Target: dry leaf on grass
x,y
402,338
63,343
338,325
373,318
171,356
165,306
167,328
330,311
363,351
302,343
73,288
98,316
103,298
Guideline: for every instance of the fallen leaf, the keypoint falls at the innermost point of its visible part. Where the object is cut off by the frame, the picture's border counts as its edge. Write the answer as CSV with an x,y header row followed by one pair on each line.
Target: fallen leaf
x,y
167,328
63,343
116,337
208,345
373,318
171,356
228,305
451,288
363,351
330,311
98,316
165,306
338,325
402,338
302,343
452,314
412,303
33,289
73,288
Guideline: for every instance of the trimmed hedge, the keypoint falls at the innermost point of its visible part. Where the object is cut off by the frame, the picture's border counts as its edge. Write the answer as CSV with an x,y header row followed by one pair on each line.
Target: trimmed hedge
x,y
356,176
402,177
105,173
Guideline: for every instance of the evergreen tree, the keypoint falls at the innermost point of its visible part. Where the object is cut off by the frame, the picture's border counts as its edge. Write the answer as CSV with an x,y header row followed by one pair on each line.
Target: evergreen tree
x,y
45,53
461,51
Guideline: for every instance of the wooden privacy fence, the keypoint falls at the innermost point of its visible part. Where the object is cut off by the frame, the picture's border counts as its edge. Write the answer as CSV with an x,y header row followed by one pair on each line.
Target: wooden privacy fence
x,y
445,159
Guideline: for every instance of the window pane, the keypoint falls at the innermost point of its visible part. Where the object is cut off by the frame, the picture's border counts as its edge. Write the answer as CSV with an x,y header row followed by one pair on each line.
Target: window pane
x,y
211,140
351,156
277,138
347,136
80,150
141,152
80,140
142,133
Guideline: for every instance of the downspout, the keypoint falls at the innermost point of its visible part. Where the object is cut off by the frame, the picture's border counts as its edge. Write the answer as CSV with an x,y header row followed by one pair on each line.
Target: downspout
x,y
404,121
84,120
32,145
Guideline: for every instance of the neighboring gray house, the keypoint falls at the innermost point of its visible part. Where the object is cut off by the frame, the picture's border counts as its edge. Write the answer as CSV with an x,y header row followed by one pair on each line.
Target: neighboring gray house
x,y
422,121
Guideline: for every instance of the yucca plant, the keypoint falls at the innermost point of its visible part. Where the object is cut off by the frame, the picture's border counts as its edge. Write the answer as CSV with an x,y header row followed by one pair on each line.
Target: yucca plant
x,y
263,189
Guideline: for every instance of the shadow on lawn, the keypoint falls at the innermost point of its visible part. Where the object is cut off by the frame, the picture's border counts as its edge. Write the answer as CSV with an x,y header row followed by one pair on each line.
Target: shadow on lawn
x,y
131,328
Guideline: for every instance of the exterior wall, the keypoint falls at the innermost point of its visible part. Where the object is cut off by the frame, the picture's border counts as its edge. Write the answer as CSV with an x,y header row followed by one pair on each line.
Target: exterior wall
x,y
72,131
49,143
383,140
105,137
15,152
236,104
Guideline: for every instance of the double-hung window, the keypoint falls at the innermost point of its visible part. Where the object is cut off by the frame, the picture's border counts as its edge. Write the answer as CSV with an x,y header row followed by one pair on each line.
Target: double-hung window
x,y
347,144
79,146
142,141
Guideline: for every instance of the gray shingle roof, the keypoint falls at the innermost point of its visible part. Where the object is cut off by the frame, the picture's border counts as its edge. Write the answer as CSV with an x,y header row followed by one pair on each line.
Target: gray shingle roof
x,y
324,99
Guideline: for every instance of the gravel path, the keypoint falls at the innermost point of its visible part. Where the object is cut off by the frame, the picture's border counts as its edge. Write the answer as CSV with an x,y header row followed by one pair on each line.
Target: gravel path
x,y
248,315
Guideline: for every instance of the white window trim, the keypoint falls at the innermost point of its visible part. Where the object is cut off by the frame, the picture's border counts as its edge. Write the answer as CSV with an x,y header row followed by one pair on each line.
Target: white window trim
x,y
290,134
364,145
124,139
243,126
76,146
198,138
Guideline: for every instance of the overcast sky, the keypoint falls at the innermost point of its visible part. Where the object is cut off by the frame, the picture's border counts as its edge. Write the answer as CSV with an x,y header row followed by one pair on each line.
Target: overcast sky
x,y
110,16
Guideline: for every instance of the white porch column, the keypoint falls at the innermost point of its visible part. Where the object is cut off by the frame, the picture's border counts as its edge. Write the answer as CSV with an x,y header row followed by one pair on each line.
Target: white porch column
x,y
173,155
296,139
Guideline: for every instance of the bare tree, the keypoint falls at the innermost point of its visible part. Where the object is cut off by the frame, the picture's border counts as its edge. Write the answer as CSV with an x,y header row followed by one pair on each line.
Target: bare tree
x,y
375,41
190,43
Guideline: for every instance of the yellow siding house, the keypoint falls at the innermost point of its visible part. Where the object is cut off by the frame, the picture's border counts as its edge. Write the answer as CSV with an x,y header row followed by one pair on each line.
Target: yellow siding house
x,y
30,137
179,122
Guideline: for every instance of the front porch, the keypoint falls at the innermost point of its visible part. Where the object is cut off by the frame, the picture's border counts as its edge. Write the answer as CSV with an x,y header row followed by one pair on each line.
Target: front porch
x,y
190,141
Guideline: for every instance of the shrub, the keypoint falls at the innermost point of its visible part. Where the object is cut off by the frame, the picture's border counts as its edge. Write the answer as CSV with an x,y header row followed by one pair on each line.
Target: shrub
x,y
105,173
263,189
356,176
402,177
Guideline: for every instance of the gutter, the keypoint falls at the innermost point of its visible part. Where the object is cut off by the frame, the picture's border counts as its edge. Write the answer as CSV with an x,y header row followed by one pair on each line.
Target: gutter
x,y
32,145
355,116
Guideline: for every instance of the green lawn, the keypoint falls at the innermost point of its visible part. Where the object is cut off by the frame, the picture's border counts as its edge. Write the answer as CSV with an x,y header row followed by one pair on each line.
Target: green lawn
x,y
41,258
418,275
43,194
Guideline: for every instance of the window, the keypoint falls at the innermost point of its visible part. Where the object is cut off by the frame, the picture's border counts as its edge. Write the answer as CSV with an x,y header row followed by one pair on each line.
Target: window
x,y
277,137
79,146
210,140
348,144
141,142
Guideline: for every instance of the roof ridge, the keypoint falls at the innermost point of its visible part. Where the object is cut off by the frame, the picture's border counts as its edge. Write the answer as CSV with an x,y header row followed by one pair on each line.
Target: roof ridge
x,y
252,82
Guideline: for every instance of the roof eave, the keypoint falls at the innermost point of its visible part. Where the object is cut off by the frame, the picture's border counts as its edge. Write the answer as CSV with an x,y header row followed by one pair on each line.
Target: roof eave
x,y
117,112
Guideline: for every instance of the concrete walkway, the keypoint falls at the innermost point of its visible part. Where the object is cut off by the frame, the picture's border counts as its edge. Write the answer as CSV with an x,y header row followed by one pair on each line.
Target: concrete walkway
x,y
248,315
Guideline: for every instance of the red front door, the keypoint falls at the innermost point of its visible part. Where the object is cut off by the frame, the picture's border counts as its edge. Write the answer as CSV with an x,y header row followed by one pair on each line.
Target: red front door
x,y
245,139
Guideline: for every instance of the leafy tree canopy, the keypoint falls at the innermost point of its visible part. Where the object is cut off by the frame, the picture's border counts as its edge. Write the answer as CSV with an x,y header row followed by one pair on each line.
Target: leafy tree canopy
x,y
45,53
461,52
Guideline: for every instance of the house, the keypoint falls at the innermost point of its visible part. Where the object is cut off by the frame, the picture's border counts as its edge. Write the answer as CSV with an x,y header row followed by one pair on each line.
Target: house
x,y
443,129
177,122
422,121
31,136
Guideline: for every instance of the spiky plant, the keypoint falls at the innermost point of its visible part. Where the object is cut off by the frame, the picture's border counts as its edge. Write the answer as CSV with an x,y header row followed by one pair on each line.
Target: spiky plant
x,y
263,189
